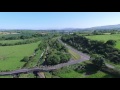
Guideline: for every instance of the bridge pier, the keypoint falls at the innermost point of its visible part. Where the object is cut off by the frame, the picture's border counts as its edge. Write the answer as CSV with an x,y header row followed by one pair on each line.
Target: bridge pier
x,y
35,73
16,76
41,74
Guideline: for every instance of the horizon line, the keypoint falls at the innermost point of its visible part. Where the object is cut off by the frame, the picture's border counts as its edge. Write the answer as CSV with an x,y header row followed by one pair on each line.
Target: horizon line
x,y
60,28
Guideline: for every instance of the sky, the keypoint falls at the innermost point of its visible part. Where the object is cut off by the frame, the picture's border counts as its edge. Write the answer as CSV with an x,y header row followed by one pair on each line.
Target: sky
x,y
57,20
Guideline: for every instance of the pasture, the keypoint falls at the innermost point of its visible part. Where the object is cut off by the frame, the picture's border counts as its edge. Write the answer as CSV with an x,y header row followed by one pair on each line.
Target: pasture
x,y
106,37
10,56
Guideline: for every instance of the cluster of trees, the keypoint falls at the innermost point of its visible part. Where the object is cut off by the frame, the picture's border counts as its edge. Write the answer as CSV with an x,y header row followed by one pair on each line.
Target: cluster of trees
x,y
98,60
57,53
42,45
15,37
56,58
57,45
94,47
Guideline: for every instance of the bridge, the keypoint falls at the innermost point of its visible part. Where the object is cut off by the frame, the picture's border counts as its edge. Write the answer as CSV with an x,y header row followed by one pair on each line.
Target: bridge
x,y
43,68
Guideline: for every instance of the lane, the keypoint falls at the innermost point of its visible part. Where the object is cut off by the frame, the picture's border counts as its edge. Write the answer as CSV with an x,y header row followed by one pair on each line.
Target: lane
x,y
82,55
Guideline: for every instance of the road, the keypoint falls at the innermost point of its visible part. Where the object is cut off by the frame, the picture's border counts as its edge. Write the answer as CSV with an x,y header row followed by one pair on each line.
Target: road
x,y
83,56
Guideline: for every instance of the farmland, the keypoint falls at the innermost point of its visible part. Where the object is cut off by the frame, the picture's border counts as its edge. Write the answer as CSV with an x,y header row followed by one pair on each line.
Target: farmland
x,y
107,37
10,56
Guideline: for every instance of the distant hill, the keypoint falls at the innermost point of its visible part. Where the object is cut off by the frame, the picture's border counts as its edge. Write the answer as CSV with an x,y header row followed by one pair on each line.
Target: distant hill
x,y
94,28
106,27
78,29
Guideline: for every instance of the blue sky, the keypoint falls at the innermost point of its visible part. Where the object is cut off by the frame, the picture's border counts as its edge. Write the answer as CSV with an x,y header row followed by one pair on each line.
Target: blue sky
x,y
57,20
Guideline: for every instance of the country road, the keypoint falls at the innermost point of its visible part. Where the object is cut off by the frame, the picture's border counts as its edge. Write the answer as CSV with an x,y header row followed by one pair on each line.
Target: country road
x,y
83,56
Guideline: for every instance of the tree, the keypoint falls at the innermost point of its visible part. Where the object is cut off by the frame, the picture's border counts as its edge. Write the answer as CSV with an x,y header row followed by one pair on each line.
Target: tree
x,y
53,59
97,60
115,59
63,58
111,42
25,59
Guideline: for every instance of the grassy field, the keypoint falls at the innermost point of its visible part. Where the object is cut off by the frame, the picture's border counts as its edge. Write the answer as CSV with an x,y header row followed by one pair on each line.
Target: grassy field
x,y
71,74
99,74
10,56
30,75
75,56
107,37
10,76
74,74
117,45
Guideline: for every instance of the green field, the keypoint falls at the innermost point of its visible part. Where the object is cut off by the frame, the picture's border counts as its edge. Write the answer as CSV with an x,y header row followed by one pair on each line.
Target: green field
x,y
107,37
117,45
30,75
10,56
71,74
99,74
74,74
10,76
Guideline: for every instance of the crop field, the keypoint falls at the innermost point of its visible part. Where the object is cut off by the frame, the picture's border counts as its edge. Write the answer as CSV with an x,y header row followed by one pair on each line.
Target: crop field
x,y
10,56
107,37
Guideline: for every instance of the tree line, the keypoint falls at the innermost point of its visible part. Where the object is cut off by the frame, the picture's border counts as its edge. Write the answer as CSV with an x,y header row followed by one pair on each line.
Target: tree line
x,y
21,42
